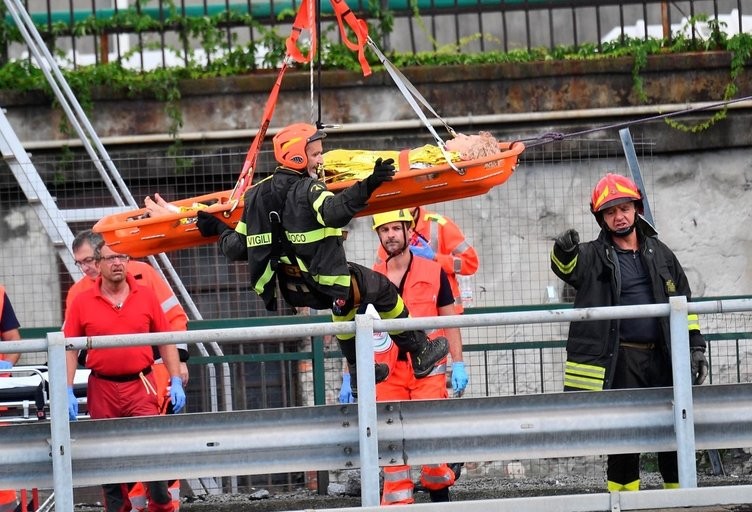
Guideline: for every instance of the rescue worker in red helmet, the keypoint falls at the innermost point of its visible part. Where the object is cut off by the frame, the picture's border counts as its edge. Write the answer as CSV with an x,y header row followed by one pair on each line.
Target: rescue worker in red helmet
x,y
425,287
291,234
625,265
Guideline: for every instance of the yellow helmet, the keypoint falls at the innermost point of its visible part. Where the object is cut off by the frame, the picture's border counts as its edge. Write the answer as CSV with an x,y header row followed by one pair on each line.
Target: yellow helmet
x,y
394,216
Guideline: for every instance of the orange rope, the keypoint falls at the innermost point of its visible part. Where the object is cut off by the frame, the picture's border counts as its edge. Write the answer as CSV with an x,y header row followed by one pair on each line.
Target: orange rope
x,y
302,22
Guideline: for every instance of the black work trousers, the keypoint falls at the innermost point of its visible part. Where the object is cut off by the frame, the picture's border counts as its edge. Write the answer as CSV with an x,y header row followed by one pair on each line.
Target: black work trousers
x,y
373,288
642,368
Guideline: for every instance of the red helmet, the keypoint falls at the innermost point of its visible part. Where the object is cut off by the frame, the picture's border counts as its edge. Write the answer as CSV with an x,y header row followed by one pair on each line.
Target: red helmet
x,y
290,144
614,189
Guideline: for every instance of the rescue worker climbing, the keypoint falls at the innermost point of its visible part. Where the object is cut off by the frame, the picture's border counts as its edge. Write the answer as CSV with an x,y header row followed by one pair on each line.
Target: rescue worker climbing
x,y
291,233
427,292
625,265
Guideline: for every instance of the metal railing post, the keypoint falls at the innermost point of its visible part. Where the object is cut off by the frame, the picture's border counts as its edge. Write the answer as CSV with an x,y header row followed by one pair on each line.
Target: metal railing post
x,y
60,447
367,430
683,407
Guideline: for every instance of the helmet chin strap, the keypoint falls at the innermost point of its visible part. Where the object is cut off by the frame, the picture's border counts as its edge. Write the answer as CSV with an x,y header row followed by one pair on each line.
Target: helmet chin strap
x,y
624,232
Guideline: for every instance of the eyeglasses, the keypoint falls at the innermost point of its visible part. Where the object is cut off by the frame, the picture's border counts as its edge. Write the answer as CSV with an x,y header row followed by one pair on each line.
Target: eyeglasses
x,y
115,257
86,262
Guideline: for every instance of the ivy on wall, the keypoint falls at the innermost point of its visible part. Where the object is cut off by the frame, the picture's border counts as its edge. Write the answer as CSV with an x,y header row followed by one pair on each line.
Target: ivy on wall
x,y
227,58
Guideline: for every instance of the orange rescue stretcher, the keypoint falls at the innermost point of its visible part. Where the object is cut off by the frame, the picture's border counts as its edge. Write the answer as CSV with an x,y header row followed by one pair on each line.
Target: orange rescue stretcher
x,y
137,235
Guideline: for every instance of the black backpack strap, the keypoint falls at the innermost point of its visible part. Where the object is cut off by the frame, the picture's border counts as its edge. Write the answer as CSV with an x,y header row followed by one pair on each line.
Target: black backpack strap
x,y
280,243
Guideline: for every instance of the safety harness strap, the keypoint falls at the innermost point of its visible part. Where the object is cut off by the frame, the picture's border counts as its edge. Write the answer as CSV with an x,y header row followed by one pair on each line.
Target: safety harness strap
x,y
246,173
359,28
411,94
303,21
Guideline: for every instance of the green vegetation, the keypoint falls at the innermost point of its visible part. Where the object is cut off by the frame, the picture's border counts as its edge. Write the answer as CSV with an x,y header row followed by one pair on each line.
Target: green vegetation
x,y
229,58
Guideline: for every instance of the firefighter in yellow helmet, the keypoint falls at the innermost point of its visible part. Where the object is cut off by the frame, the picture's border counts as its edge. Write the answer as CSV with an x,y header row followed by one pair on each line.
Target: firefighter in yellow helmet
x,y
291,234
625,265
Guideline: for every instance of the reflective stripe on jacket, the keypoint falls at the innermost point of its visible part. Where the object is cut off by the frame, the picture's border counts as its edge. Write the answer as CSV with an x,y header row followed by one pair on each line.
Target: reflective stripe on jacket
x,y
592,269
312,218
453,252
420,290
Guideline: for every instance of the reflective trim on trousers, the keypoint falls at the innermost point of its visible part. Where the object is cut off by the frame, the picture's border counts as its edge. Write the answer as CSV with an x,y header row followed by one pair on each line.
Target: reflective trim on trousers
x,y
398,486
403,496
436,476
397,475
631,486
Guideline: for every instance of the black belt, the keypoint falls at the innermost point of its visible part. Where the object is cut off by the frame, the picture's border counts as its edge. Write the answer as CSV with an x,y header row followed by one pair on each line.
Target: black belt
x,y
128,377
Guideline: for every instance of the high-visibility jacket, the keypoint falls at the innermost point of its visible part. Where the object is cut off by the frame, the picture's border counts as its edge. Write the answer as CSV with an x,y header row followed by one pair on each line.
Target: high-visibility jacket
x,y
8,501
420,290
453,252
592,269
312,219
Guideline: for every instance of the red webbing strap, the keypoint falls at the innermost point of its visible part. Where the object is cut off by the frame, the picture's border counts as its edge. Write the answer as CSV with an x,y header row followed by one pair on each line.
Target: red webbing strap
x,y
246,174
303,20
359,28
404,160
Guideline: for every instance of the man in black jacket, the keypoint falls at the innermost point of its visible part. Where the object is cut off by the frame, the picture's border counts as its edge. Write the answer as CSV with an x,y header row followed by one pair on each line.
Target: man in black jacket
x,y
625,265
291,234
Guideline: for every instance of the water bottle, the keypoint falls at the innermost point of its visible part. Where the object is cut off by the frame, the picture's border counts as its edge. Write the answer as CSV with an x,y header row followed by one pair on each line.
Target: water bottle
x,y
466,290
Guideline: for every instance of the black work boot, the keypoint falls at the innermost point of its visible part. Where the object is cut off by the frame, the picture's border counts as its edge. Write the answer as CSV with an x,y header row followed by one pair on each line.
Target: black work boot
x,y
424,353
456,468
440,495
381,372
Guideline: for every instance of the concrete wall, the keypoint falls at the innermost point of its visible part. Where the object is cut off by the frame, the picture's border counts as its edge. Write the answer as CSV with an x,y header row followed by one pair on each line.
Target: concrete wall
x,y
698,184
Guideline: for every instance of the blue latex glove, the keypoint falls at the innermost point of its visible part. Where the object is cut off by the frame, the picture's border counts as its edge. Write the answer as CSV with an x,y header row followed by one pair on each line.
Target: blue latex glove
x,y
345,392
5,365
72,405
459,378
177,395
422,249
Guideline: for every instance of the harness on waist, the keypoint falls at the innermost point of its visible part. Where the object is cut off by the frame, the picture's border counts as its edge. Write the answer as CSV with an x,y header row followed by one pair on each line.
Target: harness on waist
x,y
295,286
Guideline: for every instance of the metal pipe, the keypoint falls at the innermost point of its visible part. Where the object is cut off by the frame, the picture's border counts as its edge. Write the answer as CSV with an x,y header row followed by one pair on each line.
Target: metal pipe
x,y
367,423
683,407
468,120
416,432
275,332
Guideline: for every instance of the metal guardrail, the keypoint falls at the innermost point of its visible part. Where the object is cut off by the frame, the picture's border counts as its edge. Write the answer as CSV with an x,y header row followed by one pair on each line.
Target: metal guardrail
x,y
414,431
